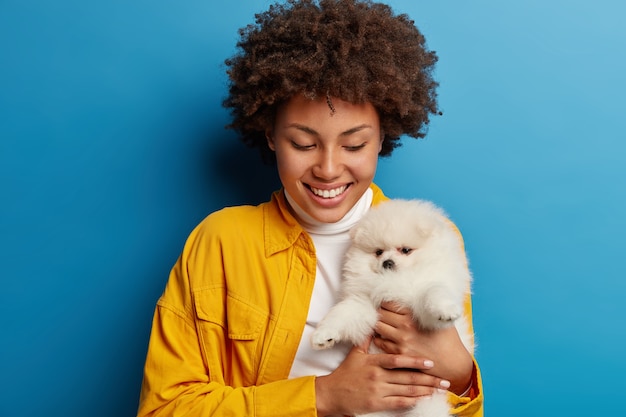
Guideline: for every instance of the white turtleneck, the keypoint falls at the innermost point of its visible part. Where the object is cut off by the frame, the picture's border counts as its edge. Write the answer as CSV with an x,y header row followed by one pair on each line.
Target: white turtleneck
x,y
331,241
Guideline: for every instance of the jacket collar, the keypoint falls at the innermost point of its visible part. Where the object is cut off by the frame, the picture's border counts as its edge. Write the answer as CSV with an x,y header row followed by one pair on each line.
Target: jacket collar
x,y
281,230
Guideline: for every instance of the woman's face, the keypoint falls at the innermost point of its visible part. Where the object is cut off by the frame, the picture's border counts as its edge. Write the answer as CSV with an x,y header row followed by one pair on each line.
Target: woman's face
x,y
326,160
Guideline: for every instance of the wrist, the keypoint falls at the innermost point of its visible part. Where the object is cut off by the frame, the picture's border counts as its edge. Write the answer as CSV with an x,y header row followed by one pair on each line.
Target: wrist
x,y
462,384
467,391
322,400
464,390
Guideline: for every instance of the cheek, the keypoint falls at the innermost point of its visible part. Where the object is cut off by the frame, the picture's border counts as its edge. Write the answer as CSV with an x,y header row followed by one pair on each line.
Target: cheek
x,y
365,167
288,164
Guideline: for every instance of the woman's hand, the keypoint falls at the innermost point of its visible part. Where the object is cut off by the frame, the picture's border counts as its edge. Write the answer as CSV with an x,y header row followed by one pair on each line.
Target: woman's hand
x,y
397,333
366,383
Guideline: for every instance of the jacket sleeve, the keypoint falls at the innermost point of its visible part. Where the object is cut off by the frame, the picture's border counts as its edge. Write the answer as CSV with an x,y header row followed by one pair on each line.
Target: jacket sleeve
x,y
176,382
471,404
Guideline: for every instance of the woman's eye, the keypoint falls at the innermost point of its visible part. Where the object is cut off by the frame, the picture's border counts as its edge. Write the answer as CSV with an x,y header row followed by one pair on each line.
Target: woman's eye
x,y
355,148
302,147
406,251
379,252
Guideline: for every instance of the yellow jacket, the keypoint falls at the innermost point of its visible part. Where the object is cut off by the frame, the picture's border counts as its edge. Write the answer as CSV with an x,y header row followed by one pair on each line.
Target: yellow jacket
x,y
227,327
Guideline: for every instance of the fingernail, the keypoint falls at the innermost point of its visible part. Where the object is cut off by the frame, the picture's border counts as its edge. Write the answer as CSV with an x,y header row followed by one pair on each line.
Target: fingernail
x,y
429,364
445,384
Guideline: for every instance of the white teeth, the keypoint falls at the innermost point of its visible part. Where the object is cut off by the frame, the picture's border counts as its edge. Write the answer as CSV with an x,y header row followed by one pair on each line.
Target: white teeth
x,y
329,193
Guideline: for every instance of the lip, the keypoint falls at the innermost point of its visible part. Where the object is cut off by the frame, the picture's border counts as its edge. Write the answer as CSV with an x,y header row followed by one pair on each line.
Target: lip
x,y
328,201
329,192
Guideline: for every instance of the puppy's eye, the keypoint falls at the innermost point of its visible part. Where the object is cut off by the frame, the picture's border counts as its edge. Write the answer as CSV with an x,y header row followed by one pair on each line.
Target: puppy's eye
x,y
379,252
406,251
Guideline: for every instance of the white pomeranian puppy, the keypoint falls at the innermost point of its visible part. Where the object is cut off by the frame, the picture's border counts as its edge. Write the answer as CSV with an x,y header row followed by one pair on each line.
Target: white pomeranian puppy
x,y
406,251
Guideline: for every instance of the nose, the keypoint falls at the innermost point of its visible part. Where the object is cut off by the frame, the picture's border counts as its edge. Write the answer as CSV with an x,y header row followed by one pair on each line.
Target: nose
x,y
389,264
329,165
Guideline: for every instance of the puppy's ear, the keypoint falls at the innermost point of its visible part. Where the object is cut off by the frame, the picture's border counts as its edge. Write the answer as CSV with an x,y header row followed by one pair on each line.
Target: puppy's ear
x,y
423,231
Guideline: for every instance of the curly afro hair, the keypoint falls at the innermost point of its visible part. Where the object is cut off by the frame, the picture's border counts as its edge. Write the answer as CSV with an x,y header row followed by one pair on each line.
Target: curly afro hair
x,y
354,50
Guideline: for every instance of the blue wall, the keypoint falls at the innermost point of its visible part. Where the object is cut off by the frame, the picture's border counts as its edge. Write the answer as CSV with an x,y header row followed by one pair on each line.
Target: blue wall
x,y
112,148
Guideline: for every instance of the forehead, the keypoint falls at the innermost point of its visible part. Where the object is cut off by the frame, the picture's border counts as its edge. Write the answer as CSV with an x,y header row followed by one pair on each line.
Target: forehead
x,y
332,113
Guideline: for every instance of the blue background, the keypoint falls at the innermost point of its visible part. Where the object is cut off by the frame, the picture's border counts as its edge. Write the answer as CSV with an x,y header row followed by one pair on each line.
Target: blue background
x,y
112,148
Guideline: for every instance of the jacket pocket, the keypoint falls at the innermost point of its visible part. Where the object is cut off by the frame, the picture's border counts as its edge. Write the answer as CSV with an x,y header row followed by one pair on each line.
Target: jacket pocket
x,y
231,332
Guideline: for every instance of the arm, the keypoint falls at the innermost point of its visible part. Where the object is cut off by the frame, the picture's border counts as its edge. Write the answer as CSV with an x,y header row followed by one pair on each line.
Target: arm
x,y
398,333
176,381
366,383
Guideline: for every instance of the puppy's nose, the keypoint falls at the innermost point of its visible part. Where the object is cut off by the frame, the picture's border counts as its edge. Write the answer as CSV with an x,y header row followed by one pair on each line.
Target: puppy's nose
x,y
389,264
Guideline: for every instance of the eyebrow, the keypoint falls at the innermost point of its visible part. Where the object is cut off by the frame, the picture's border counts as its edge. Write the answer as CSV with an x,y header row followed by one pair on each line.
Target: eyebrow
x,y
313,132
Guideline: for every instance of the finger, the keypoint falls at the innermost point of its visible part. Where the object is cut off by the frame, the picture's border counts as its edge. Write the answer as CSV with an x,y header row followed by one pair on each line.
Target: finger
x,y
386,329
391,361
425,383
401,318
386,345
393,307
399,331
409,392
388,317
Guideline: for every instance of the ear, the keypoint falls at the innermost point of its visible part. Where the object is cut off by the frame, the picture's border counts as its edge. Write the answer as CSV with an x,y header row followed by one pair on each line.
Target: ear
x,y
269,135
423,231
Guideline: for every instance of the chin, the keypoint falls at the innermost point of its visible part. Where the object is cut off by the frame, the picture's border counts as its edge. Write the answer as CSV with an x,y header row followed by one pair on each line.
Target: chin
x,y
408,252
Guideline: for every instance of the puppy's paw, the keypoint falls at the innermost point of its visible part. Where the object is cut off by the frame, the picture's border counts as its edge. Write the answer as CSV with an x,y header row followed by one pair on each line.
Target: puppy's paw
x,y
444,312
324,338
450,313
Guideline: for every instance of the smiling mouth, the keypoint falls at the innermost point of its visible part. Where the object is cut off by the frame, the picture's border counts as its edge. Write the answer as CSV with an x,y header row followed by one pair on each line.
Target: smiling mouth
x,y
332,193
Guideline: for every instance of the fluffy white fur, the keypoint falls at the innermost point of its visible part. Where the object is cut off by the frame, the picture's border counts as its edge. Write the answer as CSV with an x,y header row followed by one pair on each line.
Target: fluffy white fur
x,y
405,251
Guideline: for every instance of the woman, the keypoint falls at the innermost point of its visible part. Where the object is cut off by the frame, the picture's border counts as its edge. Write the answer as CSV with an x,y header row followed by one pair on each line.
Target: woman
x,y
323,88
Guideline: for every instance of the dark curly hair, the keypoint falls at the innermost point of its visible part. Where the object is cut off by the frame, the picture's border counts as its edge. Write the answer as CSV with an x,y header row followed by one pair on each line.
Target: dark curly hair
x,y
355,50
